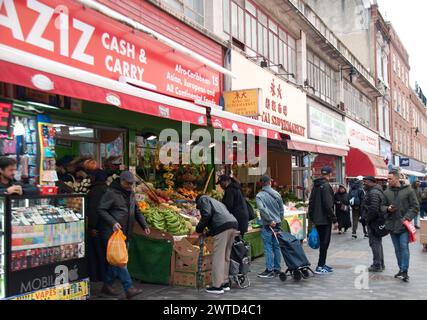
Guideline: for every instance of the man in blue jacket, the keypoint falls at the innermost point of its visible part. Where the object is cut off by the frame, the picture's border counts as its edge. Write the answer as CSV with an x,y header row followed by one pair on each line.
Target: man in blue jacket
x,y
270,205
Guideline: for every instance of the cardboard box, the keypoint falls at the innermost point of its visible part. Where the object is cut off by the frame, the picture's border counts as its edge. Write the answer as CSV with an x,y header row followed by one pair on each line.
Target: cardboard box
x,y
189,279
423,231
187,255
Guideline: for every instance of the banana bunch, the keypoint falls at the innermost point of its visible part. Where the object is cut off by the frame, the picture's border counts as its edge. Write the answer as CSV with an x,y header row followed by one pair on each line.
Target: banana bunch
x,y
155,219
175,224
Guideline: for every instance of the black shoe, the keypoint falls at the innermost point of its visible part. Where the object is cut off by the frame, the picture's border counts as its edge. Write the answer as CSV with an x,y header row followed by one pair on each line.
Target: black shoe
x,y
375,269
267,274
277,273
398,275
226,287
417,227
404,277
366,236
354,236
108,291
214,290
133,292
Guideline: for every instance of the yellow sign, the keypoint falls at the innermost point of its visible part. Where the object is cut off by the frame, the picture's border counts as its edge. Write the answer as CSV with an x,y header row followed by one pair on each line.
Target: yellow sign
x,y
69,291
243,102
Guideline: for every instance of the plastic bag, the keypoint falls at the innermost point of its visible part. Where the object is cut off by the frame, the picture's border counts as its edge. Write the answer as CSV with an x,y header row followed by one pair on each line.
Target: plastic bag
x,y
313,239
117,253
411,230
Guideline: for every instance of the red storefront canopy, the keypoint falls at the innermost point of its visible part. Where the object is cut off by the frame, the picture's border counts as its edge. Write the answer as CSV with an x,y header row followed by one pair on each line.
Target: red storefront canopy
x,y
314,146
359,163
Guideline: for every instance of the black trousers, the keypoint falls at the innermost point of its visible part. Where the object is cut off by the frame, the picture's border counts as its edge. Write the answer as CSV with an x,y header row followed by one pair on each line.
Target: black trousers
x,y
325,233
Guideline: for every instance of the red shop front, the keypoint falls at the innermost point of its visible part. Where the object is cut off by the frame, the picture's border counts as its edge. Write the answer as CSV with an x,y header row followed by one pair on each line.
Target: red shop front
x,y
63,48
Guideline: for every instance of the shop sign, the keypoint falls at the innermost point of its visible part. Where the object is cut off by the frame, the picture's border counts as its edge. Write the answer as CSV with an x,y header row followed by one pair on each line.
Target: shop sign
x,y
243,102
326,128
65,32
404,162
362,138
5,115
39,278
69,291
283,104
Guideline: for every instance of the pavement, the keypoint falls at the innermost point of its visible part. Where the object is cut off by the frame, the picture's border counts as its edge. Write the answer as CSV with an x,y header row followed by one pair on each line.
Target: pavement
x,y
350,281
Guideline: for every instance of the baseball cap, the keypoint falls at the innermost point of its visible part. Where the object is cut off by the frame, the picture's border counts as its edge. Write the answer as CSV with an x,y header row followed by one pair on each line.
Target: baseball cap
x,y
265,179
127,177
223,178
326,170
370,178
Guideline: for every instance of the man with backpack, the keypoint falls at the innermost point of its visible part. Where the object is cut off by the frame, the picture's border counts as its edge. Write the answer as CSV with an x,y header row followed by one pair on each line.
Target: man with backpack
x,y
270,205
356,196
374,216
321,213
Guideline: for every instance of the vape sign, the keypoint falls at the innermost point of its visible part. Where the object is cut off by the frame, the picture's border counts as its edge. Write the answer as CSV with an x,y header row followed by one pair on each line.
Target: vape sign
x,y
40,278
65,32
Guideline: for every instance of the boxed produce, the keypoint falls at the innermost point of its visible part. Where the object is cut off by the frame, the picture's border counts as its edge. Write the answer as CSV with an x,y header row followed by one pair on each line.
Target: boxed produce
x,y
187,255
189,279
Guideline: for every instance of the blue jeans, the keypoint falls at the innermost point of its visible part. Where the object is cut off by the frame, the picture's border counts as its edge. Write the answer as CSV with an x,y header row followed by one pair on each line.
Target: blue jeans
x,y
271,248
121,273
401,247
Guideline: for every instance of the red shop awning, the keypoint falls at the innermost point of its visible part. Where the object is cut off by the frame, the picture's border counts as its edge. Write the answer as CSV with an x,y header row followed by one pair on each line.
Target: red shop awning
x,y
24,70
314,146
233,122
359,163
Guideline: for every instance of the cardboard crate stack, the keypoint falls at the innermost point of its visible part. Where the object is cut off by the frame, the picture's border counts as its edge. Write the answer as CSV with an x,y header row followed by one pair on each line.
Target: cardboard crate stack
x,y
186,252
423,233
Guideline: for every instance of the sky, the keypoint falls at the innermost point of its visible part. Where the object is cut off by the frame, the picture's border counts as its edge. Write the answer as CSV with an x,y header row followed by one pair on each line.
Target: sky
x,y
409,20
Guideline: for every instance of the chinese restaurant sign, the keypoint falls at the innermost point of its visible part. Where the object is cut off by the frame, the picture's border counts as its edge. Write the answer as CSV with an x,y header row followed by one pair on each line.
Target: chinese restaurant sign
x,y
282,105
243,102
65,32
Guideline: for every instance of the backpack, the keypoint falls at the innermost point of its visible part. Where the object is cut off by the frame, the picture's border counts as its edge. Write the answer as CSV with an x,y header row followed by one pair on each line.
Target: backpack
x,y
355,195
251,211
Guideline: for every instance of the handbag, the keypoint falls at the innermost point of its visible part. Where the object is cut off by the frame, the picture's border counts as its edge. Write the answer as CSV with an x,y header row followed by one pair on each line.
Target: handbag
x,y
378,227
411,230
313,239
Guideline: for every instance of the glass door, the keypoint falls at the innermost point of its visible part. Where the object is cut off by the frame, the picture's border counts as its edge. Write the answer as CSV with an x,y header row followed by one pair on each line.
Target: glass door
x,y
2,248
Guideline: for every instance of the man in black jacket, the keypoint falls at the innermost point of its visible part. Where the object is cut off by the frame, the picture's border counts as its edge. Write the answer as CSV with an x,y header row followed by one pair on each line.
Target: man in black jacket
x,y
8,184
321,214
222,225
371,212
235,202
118,210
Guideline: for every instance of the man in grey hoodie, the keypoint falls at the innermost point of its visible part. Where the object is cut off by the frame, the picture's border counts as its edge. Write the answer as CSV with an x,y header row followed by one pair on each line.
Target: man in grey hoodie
x,y
270,205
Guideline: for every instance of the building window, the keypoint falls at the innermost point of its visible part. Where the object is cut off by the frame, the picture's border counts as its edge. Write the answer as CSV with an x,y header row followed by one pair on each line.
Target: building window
x,y
322,78
192,9
260,34
358,106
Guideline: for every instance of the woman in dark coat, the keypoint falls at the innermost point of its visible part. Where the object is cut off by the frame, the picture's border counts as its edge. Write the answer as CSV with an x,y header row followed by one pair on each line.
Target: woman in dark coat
x,y
96,252
342,209
235,202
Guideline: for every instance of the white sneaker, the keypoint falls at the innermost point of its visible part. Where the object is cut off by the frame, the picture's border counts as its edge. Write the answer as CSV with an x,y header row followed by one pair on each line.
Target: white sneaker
x,y
217,291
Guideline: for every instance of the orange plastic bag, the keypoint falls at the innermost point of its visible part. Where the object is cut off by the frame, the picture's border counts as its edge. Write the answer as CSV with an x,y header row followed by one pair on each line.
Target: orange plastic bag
x,y
117,253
